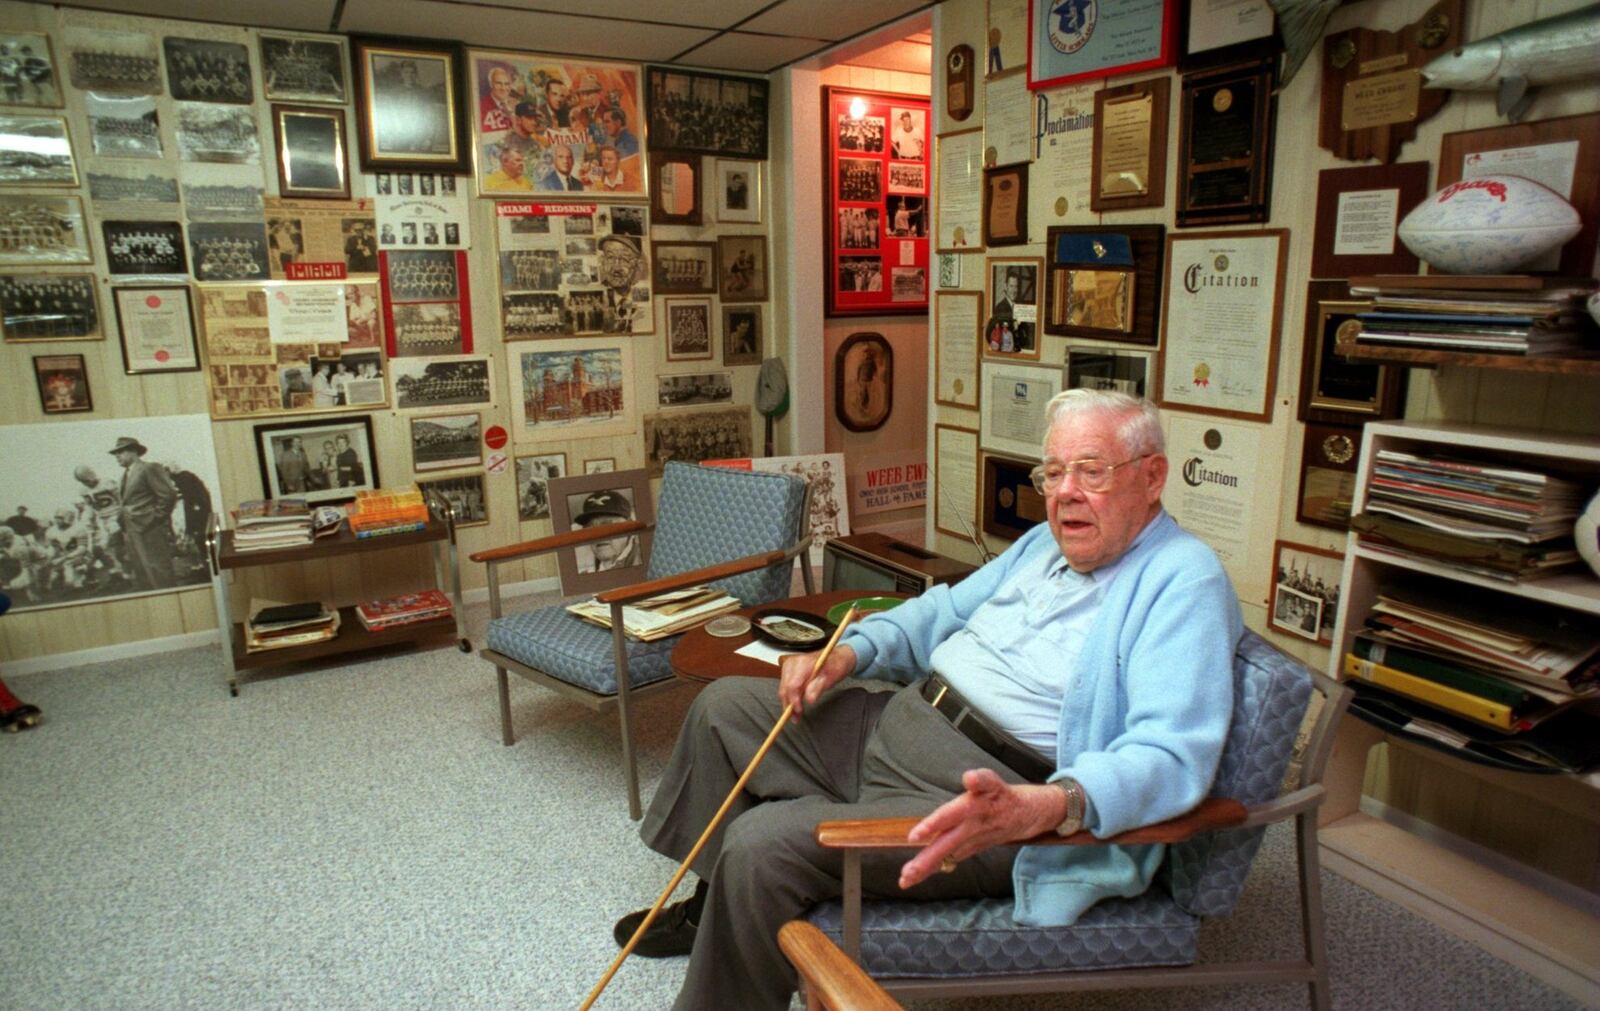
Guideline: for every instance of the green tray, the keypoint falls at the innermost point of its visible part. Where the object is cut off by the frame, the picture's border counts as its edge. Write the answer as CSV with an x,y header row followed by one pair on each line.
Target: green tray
x,y
865,605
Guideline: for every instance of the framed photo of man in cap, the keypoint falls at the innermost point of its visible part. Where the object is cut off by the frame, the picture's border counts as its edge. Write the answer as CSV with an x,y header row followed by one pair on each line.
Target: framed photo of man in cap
x,y
618,498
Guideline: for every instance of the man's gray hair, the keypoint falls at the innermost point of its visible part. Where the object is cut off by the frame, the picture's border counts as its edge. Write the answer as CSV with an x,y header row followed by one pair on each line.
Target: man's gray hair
x,y
1140,433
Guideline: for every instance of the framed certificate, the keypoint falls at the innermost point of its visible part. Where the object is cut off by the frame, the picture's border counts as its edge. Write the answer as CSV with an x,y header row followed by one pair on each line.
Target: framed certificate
x,y
958,315
959,208
1358,214
1014,398
156,323
1072,40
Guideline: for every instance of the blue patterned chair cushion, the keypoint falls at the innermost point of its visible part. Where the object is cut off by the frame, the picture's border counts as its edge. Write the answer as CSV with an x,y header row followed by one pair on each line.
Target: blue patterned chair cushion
x,y
709,515
553,641
978,937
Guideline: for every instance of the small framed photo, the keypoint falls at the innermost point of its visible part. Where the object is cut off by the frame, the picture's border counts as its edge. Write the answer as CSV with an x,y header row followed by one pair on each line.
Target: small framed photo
x,y
28,76
715,114
303,68
694,389
156,324
446,441
1332,388
685,268
208,70
324,461
742,268
408,101
1305,591
468,498
674,188
742,329
600,465
311,152
36,151
38,229
1328,461
863,382
1092,367
144,247
63,383
578,503
1011,329
49,307
688,329
534,474
1005,205
738,191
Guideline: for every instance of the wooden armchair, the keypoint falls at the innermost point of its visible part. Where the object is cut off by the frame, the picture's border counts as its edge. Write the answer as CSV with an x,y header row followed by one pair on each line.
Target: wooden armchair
x,y
975,947
738,530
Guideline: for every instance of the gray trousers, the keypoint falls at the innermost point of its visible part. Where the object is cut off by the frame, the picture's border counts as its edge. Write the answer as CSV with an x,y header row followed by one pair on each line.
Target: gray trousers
x,y
860,753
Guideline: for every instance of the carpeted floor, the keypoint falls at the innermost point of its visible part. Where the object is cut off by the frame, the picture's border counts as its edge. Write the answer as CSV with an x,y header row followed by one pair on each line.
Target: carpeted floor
x,y
357,837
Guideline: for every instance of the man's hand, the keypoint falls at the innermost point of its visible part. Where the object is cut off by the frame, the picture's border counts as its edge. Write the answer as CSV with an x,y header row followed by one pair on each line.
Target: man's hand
x,y
990,813
799,687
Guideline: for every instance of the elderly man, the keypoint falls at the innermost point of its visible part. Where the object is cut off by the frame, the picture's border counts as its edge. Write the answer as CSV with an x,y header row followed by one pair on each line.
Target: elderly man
x,y
509,175
147,495
1081,679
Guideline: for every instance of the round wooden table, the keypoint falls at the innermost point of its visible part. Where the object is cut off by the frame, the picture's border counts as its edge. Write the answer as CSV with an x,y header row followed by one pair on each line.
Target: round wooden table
x,y
702,658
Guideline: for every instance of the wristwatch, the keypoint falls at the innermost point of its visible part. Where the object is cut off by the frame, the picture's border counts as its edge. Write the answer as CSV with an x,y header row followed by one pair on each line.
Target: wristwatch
x,y
1077,803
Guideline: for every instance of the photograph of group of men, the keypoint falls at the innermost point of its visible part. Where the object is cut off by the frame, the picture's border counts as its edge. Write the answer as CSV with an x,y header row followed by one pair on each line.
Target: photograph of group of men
x,y
558,127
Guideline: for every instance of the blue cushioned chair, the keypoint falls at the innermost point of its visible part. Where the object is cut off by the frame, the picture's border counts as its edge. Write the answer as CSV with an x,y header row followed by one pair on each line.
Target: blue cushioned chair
x,y
736,530
974,947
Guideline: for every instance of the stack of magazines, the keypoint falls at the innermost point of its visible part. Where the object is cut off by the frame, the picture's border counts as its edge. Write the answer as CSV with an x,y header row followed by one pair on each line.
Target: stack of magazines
x,y
271,524
663,615
1499,521
398,511
404,609
278,626
1500,315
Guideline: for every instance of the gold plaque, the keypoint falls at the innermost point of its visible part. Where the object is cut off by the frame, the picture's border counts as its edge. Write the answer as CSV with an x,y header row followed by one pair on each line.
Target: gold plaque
x,y
1125,148
1222,100
1381,100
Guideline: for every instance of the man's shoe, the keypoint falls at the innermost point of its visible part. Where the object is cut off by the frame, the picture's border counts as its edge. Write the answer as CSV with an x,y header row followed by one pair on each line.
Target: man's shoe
x,y
670,935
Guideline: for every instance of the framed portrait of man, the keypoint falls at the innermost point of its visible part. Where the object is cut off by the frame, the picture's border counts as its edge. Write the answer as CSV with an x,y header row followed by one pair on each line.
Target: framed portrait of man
x,y
324,461
587,501
407,101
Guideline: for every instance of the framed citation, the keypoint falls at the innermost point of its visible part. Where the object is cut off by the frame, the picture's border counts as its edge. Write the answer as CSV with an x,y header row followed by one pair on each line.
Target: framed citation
x,y
958,315
1129,167
959,208
955,452
1221,317
1225,146
156,323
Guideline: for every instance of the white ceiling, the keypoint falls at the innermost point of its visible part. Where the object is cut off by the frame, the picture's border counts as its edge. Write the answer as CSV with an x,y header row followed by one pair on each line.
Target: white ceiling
x,y
749,35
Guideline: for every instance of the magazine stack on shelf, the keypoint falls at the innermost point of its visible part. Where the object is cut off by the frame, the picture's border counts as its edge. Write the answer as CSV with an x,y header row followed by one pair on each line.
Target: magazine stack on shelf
x,y
397,511
1515,315
404,609
663,615
1504,522
271,524
279,626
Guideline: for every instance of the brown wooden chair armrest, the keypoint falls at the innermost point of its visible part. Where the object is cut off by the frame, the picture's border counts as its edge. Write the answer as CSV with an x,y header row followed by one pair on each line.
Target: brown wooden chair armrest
x,y
542,544
639,591
831,978
890,833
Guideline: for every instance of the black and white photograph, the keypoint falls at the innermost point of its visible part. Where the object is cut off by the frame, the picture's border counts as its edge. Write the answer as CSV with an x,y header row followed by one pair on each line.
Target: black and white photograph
x,y
218,133
1012,325
908,134
446,441
406,105
534,474
861,133
627,221
688,329
49,307
97,510
529,315
323,461
41,229
28,70
591,500
737,185
691,388
861,179
468,498
908,177
204,70
63,384
123,126
421,275
229,251
709,113
36,151
116,63
352,379
145,188
908,284
600,465
428,328
423,382
311,152
298,68
685,268
530,270
144,247
742,268
860,273
692,436
859,228
1096,368
742,329
906,217
1305,590
223,202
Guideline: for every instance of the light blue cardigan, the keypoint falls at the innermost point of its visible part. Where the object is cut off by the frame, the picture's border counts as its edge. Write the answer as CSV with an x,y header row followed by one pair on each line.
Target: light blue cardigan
x,y
1143,726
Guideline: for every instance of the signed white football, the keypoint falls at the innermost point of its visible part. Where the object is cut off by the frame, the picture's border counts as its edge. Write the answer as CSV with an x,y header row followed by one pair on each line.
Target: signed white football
x,y
1587,533
1488,225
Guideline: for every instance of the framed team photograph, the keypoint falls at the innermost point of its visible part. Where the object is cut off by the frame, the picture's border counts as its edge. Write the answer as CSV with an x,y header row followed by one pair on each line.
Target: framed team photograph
x,y
40,229
688,329
122,128
28,71
685,268
408,97
742,329
534,474
606,499
63,384
207,70
440,382
675,188
311,152
742,268
468,499
706,433
693,389
1011,328
446,441
600,465
716,114
36,151
144,247
303,68
324,460
49,307
1305,591
156,325
737,185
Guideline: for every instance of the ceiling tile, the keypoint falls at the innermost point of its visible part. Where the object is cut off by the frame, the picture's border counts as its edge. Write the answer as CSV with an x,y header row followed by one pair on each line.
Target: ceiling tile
x,y
534,31
831,19
298,15
694,13
739,51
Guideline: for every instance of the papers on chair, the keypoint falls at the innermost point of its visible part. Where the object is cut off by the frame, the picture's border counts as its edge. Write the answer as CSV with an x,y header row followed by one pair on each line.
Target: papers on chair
x,y
663,615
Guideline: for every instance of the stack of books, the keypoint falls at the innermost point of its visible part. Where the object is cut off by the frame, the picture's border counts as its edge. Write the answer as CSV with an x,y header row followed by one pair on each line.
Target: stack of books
x,y
404,609
663,615
1515,315
397,511
1499,521
271,524
278,626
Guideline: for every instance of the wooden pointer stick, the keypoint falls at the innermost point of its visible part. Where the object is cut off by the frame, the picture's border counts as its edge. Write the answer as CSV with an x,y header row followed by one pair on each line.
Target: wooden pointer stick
x,y
716,820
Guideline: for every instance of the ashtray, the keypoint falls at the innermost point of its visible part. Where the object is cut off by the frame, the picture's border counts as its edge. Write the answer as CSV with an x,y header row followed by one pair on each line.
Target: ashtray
x,y
728,626
790,630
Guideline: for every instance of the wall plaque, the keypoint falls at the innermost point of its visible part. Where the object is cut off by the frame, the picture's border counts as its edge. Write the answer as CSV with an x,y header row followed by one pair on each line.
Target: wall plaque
x,y
958,87
1372,95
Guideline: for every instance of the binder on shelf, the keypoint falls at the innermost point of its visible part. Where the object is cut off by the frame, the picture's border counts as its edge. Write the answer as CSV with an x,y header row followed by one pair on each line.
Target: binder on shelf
x,y
1496,714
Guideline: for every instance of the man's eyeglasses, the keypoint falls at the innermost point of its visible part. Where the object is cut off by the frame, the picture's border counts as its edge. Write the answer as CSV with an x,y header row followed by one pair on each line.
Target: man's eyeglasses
x,y
1090,475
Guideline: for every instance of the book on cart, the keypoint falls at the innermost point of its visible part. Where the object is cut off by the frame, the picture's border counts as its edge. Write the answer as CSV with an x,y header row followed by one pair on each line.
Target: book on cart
x,y
271,524
388,511
663,615
275,625
403,609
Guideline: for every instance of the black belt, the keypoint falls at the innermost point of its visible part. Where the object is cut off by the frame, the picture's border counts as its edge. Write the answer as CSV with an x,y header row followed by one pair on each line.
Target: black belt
x,y
1004,748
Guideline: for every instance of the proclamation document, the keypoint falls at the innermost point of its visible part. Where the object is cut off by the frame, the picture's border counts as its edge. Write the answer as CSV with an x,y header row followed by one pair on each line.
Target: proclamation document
x,y
1063,147
956,364
960,206
1007,121
955,456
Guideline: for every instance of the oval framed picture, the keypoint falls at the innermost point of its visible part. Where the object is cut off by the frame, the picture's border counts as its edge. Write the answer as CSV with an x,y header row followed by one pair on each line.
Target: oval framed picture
x,y
863,382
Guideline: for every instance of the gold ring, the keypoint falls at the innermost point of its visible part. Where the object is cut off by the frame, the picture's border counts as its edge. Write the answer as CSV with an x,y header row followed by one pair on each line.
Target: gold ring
x,y
947,866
